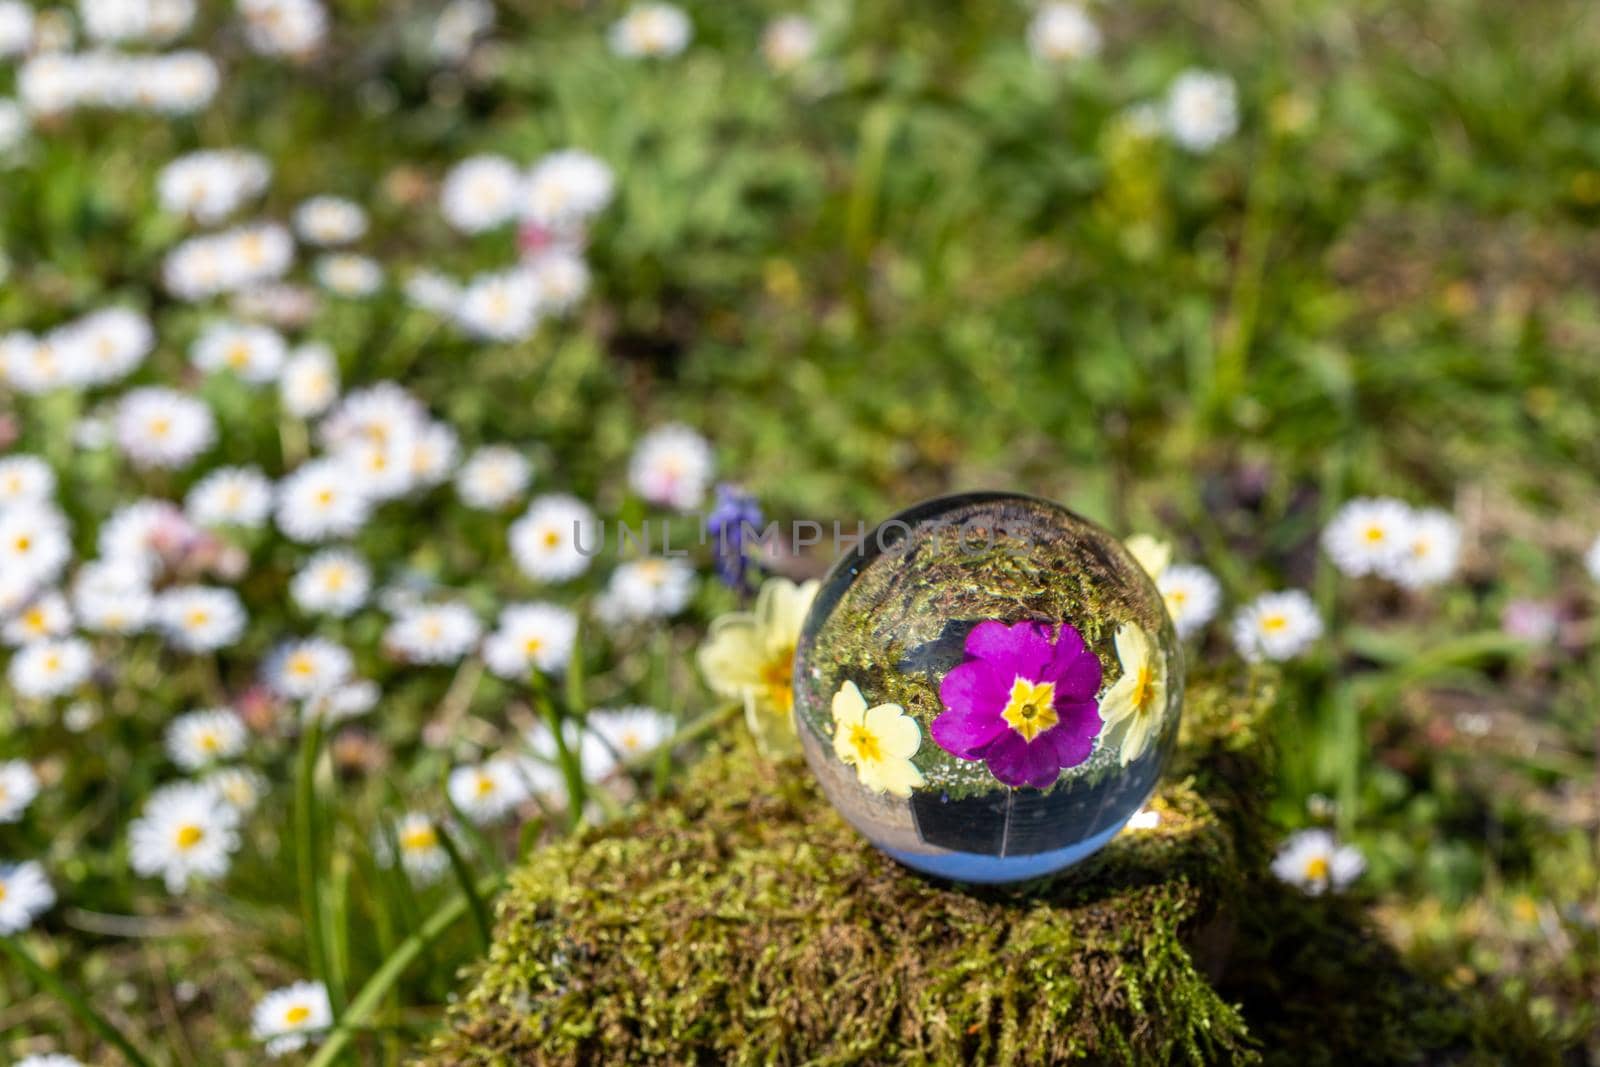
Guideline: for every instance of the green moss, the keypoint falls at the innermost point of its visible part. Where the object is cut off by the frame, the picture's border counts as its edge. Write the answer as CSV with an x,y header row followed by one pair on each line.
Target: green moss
x,y
743,922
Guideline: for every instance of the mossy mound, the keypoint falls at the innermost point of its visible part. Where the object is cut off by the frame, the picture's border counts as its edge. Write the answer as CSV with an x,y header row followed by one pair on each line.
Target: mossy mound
x,y
744,922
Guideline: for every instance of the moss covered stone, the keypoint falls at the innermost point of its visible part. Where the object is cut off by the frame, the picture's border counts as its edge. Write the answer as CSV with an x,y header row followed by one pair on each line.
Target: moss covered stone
x,y
742,921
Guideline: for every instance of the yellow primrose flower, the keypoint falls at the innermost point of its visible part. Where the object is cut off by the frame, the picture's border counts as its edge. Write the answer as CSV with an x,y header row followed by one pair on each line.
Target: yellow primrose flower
x,y
749,656
1134,708
878,742
1152,553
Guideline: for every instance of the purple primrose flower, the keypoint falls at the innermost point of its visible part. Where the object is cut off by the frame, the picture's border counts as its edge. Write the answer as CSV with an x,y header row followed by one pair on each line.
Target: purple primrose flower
x,y
1023,701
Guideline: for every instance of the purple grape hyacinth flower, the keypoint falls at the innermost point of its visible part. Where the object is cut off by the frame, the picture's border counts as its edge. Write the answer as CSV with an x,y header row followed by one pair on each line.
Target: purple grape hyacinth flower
x,y
733,512
1023,701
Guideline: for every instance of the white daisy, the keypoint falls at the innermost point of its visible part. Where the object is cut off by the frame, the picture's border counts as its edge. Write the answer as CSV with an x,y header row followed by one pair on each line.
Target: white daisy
x,y
1192,596
556,539
347,274
328,221
134,536
34,543
1062,32
432,291
566,188
254,354
334,582
1202,109
111,343
1366,535
503,306
45,615
651,30
112,596
288,1019
492,478
646,589
48,1059
294,28
788,42
1315,862
51,668
198,618
561,278
16,28
200,738
241,788
25,894
208,186
434,633
487,792
632,732
1429,551
480,193
36,365
1276,626
533,635
18,786
434,452
421,855
183,836
25,480
310,381
345,701
318,502
230,496
301,670
159,427
671,466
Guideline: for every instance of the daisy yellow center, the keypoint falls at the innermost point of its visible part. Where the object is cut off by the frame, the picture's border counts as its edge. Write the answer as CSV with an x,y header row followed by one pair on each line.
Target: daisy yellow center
x,y
1375,535
198,619
864,743
777,677
1177,597
301,666
532,645
52,663
334,578
160,427
2,891
630,741
552,538
1031,710
189,835
296,1015
419,839
325,497
24,543
238,355
209,742
485,785
34,619
1317,868
1274,623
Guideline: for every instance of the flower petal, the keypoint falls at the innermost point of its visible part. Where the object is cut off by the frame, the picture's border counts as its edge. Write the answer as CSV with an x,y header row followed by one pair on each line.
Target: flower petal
x,y
967,734
975,686
1072,739
1017,763
896,731
1074,669
1023,649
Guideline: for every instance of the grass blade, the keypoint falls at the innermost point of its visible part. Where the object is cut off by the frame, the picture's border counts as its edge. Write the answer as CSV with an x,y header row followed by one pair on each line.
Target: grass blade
x,y
47,981
463,873
387,974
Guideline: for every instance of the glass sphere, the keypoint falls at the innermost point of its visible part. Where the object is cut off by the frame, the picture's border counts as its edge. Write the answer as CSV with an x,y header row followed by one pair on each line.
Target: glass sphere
x,y
988,687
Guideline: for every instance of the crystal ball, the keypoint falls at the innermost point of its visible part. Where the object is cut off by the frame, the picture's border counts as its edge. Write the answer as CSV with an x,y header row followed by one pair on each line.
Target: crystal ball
x,y
987,687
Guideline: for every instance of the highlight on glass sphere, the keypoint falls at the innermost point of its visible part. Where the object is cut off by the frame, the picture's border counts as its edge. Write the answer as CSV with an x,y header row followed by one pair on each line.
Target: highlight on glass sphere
x,y
988,687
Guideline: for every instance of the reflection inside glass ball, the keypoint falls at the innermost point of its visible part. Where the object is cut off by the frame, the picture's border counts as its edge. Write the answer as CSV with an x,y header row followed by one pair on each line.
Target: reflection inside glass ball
x,y
988,688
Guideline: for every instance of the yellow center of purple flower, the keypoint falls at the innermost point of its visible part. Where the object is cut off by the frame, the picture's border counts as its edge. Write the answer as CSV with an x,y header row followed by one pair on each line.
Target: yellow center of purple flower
x,y
1032,707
